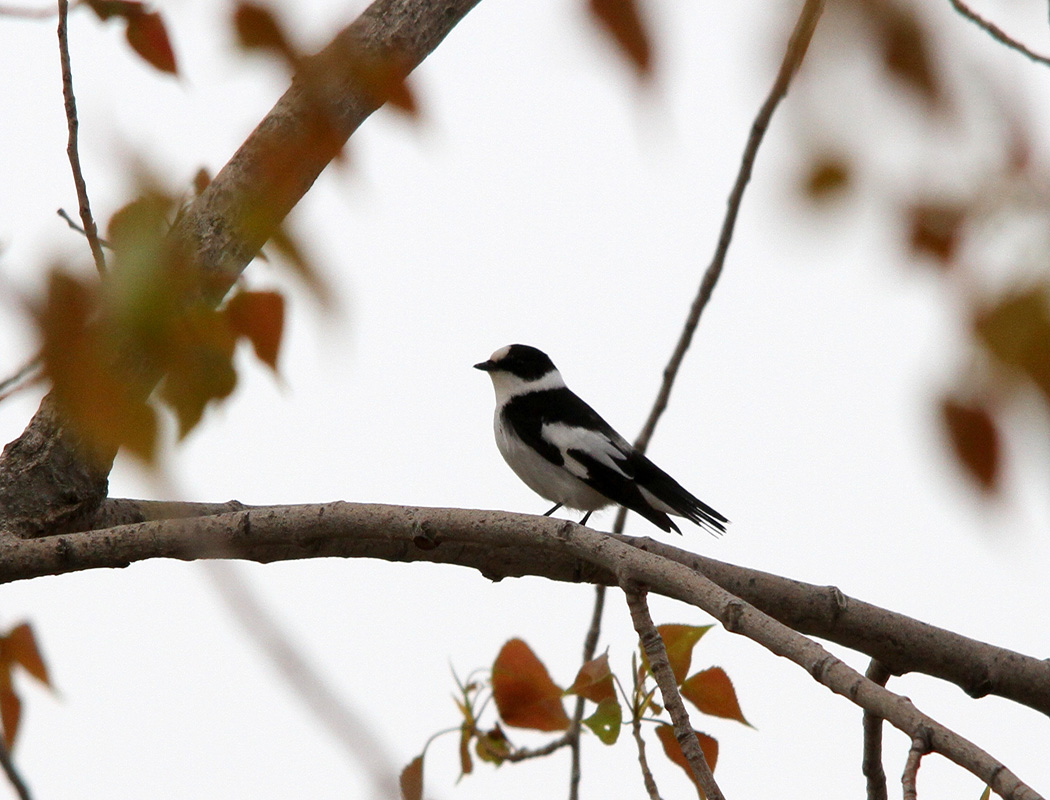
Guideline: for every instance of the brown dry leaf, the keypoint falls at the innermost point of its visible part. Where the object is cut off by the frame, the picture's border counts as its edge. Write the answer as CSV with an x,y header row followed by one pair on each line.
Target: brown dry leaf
x,y
525,695
622,20
20,647
828,177
594,681
259,317
10,714
148,36
936,229
1016,331
412,780
258,29
975,439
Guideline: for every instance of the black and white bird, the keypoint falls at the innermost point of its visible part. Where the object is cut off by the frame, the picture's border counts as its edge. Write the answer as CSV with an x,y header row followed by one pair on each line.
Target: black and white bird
x,y
566,453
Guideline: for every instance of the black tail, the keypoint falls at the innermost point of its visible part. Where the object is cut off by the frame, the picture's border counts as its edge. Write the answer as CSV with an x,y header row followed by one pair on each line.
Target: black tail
x,y
672,494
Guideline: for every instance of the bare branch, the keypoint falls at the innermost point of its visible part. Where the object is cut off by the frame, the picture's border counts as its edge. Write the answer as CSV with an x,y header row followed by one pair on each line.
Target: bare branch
x,y
499,545
340,720
12,773
25,376
996,32
590,644
654,648
647,775
90,230
871,764
72,224
920,746
796,49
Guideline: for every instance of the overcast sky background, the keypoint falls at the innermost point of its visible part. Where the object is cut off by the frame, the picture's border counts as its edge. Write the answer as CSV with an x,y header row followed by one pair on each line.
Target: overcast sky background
x,y
541,199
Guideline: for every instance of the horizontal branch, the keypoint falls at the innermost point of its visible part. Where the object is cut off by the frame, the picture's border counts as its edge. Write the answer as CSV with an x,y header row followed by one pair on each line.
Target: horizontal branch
x,y
499,545
900,643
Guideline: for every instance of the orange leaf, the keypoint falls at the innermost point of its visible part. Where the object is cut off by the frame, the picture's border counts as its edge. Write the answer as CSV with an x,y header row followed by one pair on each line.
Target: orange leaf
x,y
105,9
679,641
712,692
149,38
975,438
905,49
20,647
10,714
525,695
622,20
666,735
412,780
258,29
594,680
259,317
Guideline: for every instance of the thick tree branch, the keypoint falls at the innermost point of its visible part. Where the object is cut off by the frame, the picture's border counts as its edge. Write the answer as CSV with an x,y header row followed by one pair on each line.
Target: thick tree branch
x,y
46,485
499,545
901,643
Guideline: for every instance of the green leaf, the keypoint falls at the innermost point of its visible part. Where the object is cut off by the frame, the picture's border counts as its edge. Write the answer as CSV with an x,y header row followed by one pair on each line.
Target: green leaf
x,y
605,721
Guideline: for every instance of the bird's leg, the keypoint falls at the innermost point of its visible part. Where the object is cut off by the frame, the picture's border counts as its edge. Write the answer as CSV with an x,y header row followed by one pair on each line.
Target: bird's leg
x,y
586,517
556,507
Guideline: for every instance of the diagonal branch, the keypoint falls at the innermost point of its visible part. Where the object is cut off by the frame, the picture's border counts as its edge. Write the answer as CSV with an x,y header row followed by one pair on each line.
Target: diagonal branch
x,y
498,544
996,32
655,651
871,765
72,150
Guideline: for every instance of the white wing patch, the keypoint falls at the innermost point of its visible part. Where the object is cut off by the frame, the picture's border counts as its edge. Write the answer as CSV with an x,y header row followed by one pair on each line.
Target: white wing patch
x,y
597,445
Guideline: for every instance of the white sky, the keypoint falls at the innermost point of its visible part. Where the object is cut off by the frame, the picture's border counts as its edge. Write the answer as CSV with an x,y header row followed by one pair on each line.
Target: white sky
x,y
541,200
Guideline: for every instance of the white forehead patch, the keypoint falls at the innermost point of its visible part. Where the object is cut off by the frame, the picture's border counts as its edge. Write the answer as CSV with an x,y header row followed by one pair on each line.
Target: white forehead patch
x,y
500,354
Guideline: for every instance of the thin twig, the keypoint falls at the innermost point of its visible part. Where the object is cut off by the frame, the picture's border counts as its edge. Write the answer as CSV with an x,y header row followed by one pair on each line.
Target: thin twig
x,y
654,648
25,376
871,763
28,13
590,644
72,224
90,229
647,775
349,728
12,773
920,746
996,32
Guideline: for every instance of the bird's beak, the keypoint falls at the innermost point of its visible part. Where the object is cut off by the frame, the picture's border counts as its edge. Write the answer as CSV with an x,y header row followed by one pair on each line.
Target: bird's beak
x,y
485,366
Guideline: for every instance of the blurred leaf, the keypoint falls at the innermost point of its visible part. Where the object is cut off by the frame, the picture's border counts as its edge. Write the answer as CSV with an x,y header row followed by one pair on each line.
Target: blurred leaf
x,y
987,793
622,20
905,46
148,37
79,356
936,230
594,680
525,695
605,721
201,181
1016,331
712,692
679,641
673,750
975,438
10,714
258,29
145,32
492,746
412,780
285,243
828,177
20,647
259,317
385,79
199,365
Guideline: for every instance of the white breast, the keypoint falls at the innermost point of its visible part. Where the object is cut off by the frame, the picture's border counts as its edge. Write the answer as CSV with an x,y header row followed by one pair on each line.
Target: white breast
x,y
555,483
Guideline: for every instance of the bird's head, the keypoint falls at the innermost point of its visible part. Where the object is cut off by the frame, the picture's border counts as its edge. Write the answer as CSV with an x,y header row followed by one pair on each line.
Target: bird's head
x,y
519,368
